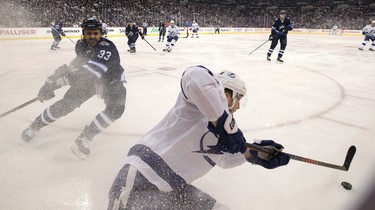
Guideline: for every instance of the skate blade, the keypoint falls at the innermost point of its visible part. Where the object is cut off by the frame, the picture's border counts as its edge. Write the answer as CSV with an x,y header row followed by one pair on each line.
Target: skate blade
x,y
78,153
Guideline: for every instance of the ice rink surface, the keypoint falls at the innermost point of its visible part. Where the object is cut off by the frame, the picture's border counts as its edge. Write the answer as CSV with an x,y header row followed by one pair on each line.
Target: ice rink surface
x,y
317,104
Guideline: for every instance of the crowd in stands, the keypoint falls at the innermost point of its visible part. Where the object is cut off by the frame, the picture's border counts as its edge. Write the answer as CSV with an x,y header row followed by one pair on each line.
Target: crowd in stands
x,y
348,14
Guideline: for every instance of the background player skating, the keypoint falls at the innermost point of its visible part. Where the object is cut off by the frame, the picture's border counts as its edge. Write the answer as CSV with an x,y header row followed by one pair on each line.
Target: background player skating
x,y
95,70
279,31
369,32
57,31
104,29
172,36
160,168
132,32
194,29
162,30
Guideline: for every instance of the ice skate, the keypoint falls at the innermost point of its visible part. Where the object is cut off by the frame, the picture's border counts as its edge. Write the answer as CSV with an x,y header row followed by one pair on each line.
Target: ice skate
x,y
371,49
28,134
81,147
360,48
279,61
268,58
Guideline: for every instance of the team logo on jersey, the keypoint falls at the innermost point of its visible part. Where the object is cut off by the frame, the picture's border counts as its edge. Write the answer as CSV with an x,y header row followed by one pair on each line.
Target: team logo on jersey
x,y
232,75
103,43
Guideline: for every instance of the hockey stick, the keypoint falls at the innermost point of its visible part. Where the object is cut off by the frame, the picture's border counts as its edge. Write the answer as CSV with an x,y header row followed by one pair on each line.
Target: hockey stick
x,y
345,167
19,107
149,44
259,46
70,39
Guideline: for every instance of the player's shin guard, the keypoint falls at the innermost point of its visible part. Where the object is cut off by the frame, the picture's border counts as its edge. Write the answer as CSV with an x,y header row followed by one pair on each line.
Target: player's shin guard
x,y
42,120
81,145
281,53
99,124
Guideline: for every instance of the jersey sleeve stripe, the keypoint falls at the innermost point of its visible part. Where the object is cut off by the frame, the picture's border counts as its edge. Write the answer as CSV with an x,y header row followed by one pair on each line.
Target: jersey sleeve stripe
x,y
88,68
103,67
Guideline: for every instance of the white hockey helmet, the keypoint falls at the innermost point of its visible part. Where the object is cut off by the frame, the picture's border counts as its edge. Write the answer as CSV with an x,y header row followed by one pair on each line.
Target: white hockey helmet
x,y
234,83
172,22
373,23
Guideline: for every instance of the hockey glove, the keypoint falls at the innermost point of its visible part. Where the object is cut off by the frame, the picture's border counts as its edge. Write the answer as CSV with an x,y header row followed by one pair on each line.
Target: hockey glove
x,y
289,27
60,77
230,136
269,160
270,37
62,33
142,37
46,92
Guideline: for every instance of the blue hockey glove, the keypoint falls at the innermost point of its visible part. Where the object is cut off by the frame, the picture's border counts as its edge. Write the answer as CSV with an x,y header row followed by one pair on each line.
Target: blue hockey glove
x,y
230,137
363,33
272,160
289,27
46,92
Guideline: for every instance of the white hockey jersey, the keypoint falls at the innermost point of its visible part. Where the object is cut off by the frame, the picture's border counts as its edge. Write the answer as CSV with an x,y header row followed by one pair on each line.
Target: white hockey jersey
x,y
173,31
195,26
165,155
369,30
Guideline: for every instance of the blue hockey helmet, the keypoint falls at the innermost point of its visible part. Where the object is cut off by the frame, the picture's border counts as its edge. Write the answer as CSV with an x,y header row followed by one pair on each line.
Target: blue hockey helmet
x,y
91,23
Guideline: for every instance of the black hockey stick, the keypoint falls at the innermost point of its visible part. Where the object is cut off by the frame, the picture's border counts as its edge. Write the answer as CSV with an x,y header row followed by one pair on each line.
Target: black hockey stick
x,y
70,39
259,46
345,167
149,44
19,107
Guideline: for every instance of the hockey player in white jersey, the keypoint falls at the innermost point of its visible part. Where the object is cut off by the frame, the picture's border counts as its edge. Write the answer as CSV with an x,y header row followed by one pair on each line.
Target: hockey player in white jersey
x,y
198,133
195,29
172,36
369,32
104,29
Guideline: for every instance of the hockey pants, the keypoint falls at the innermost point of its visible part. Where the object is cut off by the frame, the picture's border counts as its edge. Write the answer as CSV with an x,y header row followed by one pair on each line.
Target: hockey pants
x,y
275,40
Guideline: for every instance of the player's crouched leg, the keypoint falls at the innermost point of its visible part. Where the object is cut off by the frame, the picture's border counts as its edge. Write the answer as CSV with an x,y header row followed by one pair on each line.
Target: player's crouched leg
x,y
114,98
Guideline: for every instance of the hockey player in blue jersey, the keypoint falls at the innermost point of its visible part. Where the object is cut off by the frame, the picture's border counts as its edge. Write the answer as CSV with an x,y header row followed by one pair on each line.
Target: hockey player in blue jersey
x,y
57,31
132,32
197,134
279,32
95,70
369,32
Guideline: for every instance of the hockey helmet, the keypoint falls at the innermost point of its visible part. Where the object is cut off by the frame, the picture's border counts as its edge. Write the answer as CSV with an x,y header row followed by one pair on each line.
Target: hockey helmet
x,y
234,83
91,23
373,23
172,22
282,12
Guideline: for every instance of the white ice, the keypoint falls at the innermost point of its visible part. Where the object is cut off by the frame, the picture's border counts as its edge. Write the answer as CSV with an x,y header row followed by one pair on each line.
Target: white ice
x,y
317,104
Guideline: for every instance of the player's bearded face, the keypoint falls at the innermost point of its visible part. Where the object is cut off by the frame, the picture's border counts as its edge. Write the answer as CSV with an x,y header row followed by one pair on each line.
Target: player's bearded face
x,y
282,16
92,37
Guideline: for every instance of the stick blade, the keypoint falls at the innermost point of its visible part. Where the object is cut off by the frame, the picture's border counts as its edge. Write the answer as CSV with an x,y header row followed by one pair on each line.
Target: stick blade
x,y
349,157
